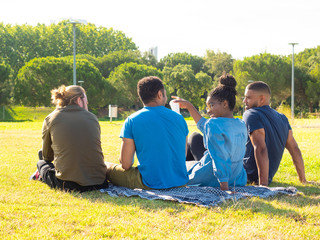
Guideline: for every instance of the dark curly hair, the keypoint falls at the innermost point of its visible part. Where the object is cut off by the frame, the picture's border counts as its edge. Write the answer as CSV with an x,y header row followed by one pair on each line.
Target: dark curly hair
x,y
148,88
226,90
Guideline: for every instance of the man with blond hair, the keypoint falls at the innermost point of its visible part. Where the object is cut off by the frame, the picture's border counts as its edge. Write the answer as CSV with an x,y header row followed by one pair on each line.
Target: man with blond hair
x,y
71,158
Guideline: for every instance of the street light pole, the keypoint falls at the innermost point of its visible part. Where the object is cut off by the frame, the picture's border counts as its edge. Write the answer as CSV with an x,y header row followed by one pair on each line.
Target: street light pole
x,y
74,54
292,82
74,22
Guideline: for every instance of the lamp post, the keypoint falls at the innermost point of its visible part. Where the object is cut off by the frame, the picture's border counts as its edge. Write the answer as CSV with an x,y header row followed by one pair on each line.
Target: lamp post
x,y
292,82
74,22
80,82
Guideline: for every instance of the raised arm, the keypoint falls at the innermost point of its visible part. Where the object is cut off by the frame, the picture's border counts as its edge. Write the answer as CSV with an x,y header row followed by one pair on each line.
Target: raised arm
x,y
257,138
187,105
296,155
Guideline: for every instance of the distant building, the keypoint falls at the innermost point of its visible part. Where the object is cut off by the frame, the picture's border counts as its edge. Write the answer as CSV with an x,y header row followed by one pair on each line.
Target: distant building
x,y
154,52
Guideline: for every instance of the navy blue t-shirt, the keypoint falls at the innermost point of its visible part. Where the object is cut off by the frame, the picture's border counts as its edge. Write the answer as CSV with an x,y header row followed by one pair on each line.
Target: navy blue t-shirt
x,y
276,127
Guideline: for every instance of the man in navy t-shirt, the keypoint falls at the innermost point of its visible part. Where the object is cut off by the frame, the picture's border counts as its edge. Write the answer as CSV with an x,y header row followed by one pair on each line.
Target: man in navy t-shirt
x,y
269,133
158,136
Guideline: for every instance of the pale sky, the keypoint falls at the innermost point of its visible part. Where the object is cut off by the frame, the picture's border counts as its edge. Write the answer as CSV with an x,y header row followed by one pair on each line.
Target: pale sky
x,y
239,27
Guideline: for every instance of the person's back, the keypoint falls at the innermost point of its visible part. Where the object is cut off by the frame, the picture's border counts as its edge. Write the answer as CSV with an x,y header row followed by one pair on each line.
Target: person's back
x,y
76,145
71,157
269,133
276,127
158,133
224,139
219,154
158,136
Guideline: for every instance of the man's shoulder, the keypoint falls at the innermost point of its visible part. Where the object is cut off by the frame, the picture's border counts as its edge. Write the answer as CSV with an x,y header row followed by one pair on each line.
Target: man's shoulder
x,y
261,111
250,113
137,114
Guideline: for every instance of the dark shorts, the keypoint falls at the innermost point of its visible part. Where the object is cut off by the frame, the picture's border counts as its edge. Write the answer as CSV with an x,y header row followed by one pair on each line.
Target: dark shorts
x,y
48,175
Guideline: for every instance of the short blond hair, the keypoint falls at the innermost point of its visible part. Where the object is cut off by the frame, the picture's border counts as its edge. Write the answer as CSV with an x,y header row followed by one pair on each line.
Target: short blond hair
x,y
64,96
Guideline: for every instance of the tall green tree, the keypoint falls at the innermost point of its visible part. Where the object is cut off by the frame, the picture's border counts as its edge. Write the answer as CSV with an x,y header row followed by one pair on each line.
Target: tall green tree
x,y
217,63
307,65
39,76
174,59
272,69
125,78
181,81
313,87
21,43
5,85
112,60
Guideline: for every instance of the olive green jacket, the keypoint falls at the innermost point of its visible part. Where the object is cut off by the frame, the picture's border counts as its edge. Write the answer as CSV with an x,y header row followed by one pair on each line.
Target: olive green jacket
x,y
71,139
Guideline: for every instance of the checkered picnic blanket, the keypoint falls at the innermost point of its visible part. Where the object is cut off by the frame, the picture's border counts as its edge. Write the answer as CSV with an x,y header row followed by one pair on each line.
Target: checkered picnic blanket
x,y
201,196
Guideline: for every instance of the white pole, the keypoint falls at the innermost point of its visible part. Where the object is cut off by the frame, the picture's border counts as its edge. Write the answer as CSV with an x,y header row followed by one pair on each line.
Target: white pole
x,y
292,82
74,22
74,54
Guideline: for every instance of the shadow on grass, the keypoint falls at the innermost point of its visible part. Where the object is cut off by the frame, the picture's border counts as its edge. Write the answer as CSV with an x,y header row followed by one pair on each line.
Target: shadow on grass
x,y
308,189
9,116
14,120
150,205
289,205
265,206
308,197
268,207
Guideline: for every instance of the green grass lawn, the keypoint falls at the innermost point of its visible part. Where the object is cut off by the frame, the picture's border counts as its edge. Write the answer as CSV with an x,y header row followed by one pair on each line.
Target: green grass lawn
x,y
31,210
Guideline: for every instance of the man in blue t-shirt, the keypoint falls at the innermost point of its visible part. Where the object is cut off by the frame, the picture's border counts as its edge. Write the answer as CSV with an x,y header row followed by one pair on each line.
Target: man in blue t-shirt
x,y
269,133
158,136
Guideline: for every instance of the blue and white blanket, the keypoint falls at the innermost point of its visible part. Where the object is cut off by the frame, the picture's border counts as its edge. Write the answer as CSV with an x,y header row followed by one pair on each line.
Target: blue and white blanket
x,y
201,196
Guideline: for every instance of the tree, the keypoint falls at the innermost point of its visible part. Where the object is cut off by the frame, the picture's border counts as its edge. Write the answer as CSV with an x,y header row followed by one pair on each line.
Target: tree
x,y
217,63
149,59
125,78
272,69
5,86
112,60
181,81
313,87
20,44
39,76
174,59
307,64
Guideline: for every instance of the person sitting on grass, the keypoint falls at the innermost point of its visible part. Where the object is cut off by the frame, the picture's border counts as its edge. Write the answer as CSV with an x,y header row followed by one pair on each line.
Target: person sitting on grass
x,y
71,157
221,151
158,136
269,134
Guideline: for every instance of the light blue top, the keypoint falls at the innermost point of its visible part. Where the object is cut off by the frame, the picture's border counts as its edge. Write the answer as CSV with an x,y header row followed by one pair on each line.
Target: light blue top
x,y
160,138
225,141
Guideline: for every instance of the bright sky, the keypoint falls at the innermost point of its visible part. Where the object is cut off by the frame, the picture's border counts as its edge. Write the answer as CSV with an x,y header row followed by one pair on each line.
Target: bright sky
x,y
238,27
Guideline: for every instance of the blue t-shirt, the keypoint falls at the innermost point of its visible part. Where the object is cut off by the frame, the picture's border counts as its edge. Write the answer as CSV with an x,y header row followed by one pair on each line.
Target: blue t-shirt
x,y
160,138
276,127
224,139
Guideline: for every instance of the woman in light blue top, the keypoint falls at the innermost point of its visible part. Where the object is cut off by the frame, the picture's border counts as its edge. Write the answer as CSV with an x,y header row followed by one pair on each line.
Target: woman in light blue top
x,y
224,138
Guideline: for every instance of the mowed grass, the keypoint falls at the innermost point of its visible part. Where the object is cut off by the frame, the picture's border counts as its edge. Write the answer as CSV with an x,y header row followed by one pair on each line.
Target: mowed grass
x,y
31,210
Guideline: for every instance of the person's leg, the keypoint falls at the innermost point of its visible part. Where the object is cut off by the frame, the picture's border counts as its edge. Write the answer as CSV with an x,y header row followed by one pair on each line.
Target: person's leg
x,y
202,174
47,174
190,164
126,178
253,178
195,149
